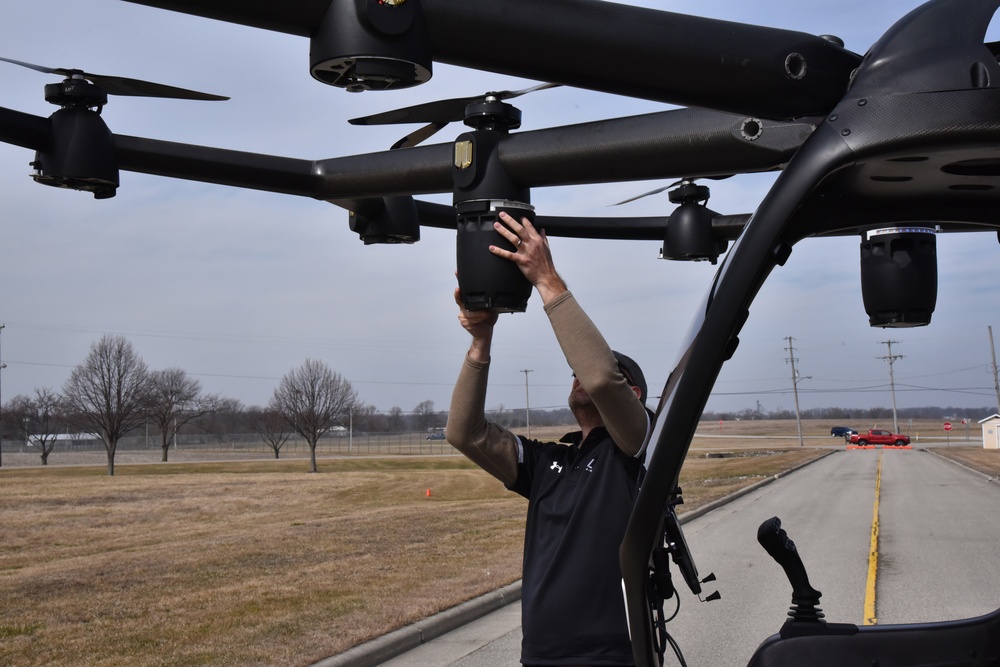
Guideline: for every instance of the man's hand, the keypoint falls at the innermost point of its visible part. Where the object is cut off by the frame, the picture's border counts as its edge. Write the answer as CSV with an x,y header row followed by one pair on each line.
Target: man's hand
x,y
531,254
479,323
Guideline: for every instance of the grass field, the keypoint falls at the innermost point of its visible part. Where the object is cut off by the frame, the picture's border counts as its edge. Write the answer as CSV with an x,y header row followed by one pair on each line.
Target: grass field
x,y
263,563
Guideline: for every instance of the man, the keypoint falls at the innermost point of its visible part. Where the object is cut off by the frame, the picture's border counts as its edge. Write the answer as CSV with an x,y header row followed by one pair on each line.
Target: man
x,y
580,495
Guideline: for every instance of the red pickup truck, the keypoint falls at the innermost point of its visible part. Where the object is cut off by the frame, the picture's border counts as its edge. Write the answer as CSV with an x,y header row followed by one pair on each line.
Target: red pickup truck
x,y
879,437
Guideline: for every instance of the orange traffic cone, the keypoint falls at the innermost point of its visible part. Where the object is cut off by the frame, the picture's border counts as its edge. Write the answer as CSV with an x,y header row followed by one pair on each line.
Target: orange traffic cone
x,y
428,492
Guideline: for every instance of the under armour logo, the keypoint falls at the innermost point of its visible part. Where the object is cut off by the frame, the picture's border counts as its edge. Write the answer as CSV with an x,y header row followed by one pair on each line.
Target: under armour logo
x,y
555,466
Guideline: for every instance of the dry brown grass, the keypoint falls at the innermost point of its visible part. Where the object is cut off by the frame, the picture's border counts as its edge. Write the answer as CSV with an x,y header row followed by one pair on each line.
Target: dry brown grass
x,y
241,563
986,461
704,480
261,562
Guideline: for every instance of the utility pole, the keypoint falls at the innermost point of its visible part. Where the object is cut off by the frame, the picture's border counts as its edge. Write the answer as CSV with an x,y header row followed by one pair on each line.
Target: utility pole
x,y
795,385
527,409
891,358
993,354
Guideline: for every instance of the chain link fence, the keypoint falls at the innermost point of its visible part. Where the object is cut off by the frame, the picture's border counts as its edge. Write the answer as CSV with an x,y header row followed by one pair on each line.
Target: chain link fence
x,y
250,445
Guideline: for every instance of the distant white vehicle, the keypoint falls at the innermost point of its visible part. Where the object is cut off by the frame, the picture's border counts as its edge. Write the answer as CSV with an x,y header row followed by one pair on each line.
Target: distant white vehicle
x,y
63,437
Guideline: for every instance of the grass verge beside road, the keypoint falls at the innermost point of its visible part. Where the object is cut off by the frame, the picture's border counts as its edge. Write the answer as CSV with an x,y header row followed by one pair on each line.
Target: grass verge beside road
x,y
261,562
986,461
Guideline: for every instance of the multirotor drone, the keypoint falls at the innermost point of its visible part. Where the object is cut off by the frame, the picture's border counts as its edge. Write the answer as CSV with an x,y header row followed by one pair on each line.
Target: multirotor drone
x,y
894,146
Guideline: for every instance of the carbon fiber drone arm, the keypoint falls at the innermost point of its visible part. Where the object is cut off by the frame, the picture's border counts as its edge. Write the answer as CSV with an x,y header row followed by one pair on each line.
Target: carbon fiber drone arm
x,y
24,130
670,144
604,46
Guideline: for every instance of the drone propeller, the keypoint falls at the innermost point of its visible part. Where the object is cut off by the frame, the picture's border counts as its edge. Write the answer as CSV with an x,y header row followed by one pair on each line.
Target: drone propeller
x,y
437,114
80,151
116,85
669,187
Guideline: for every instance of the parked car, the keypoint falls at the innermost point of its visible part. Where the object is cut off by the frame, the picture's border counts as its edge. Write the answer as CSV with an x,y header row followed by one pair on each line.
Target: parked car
x,y
842,431
436,436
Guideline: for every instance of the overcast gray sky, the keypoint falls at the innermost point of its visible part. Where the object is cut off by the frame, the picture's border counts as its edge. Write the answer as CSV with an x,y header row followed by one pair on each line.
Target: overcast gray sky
x,y
237,287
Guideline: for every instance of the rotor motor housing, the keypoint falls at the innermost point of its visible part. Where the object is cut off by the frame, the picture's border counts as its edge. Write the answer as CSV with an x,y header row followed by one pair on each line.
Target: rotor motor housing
x,y
689,236
899,276
389,220
370,45
484,189
488,282
81,154
75,93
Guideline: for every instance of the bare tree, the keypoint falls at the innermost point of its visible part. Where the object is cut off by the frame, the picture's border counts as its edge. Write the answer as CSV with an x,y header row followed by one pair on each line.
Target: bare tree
x,y
424,415
43,416
367,419
175,400
313,399
47,418
272,427
109,392
227,417
499,415
395,419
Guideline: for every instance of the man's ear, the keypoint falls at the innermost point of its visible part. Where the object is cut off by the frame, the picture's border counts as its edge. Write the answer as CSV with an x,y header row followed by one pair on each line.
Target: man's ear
x,y
638,392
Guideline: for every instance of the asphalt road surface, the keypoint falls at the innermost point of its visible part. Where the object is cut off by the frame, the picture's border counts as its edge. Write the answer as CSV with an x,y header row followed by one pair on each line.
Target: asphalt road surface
x,y
937,558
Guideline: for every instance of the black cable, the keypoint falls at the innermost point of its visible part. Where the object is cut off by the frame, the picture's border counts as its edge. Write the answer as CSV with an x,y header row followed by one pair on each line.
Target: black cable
x,y
677,609
661,637
677,649
666,635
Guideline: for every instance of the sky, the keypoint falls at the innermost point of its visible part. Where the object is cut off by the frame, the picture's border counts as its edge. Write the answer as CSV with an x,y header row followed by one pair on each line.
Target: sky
x,y
238,287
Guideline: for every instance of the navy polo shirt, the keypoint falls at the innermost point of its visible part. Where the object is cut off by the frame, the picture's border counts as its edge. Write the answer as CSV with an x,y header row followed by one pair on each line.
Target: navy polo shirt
x,y
580,498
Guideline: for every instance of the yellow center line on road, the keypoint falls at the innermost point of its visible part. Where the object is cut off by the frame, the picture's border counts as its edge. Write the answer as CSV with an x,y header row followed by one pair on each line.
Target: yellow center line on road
x,y
870,618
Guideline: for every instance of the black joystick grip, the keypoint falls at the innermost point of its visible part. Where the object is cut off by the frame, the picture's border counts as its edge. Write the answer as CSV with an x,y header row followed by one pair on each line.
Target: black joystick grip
x,y
778,545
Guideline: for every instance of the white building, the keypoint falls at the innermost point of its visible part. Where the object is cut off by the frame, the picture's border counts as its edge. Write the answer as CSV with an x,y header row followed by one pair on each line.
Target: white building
x,y
991,432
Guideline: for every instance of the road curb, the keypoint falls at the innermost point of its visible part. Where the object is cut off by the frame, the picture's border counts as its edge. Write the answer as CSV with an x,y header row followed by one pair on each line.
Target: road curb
x,y
397,642
410,637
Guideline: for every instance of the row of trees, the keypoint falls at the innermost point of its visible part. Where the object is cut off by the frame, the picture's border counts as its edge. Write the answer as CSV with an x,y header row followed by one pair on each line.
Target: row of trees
x,y
113,393
109,395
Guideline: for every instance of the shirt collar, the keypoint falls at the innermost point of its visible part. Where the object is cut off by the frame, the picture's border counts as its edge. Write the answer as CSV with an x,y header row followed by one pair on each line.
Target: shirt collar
x,y
575,437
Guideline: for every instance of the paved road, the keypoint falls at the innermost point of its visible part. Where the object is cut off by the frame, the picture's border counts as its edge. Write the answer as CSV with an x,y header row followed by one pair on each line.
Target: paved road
x,y
937,546
491,641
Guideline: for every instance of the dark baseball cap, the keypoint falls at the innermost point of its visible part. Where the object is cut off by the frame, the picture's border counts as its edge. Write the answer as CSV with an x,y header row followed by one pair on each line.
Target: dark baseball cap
x,y
632,373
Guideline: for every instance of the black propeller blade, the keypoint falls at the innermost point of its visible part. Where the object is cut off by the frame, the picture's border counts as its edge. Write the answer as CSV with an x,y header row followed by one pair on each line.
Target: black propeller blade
x,y
117,85
441,111
437,114
668,187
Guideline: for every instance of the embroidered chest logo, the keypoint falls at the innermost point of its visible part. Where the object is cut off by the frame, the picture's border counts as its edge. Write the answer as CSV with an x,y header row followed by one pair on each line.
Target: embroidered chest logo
x,y
555,466
590,466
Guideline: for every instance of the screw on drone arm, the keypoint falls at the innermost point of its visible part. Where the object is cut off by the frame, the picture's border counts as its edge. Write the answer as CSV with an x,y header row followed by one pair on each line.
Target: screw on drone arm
x,y
778,545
